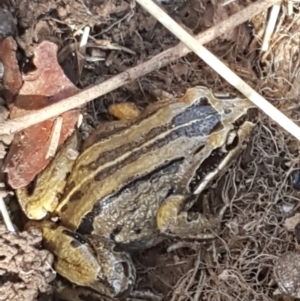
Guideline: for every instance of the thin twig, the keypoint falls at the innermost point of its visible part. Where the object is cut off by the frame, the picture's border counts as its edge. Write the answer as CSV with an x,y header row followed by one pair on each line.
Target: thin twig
x,y
270,26
54,140
6,218
228,2
192,279
221,68
82,50
290,6
158,61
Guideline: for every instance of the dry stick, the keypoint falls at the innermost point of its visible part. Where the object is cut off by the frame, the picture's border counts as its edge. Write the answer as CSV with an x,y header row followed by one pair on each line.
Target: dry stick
x,y
270,26
158,61
221,68
54,139
290,7
5,215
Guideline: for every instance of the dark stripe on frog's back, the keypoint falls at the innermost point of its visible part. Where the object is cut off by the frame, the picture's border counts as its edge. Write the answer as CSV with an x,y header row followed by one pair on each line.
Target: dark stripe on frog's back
x,y
201,126
138,165
191,130
106,147
135,149
113,153
174,134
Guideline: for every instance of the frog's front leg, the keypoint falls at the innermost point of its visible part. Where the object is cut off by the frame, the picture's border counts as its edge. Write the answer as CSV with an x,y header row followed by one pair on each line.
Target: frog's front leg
x,y
172,220
89,261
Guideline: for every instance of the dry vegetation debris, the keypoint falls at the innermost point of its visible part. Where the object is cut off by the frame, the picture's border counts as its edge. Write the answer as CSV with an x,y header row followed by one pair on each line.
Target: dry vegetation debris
x,y
24,269
260,226
278,67
45,85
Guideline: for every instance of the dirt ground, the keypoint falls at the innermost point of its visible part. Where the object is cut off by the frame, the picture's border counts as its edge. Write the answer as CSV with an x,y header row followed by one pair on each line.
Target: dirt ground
x,y
262,186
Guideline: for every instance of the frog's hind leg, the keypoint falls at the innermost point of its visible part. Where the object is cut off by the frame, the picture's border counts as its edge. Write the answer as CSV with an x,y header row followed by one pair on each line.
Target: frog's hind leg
x,y
172,220
89,261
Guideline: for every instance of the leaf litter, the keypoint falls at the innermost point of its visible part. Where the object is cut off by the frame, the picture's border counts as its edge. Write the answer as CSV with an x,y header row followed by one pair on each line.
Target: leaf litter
x,y
258,243
43,86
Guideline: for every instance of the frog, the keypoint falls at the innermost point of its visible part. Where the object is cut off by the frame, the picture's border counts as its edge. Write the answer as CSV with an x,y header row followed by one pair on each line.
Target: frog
x,y
132,185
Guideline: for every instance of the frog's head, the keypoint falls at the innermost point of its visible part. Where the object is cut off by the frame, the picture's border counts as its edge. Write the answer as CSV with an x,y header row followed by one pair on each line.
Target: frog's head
x,y
228,126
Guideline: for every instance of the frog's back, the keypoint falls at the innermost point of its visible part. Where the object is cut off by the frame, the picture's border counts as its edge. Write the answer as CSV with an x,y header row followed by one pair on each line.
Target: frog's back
x,y
118,183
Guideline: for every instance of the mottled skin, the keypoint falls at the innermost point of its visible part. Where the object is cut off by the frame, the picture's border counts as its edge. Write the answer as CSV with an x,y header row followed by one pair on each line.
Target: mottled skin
x,y
131,188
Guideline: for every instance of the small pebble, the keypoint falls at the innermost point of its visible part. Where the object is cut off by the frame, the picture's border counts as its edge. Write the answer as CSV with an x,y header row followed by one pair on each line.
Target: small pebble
x,y
287,208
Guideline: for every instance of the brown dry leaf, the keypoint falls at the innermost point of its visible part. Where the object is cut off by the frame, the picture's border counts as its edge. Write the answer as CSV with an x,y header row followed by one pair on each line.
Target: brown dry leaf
x,y
46,85
12,79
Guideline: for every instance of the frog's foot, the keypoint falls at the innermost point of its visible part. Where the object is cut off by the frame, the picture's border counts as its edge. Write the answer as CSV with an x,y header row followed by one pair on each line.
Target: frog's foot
x,y
173,221
89,261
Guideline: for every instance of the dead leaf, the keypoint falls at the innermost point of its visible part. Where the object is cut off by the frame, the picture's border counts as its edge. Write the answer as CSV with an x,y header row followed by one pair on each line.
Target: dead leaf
x,y
42,87
12,79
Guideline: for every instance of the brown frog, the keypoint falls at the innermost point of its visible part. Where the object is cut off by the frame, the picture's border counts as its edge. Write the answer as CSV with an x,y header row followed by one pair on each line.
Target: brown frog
x,y
134,186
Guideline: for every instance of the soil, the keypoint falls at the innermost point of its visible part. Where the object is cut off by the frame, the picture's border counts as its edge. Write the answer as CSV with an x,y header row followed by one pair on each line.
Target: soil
x,y
260,186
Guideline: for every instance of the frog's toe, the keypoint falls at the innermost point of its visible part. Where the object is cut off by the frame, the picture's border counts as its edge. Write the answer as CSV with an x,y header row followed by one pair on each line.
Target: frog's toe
x,y
117,270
